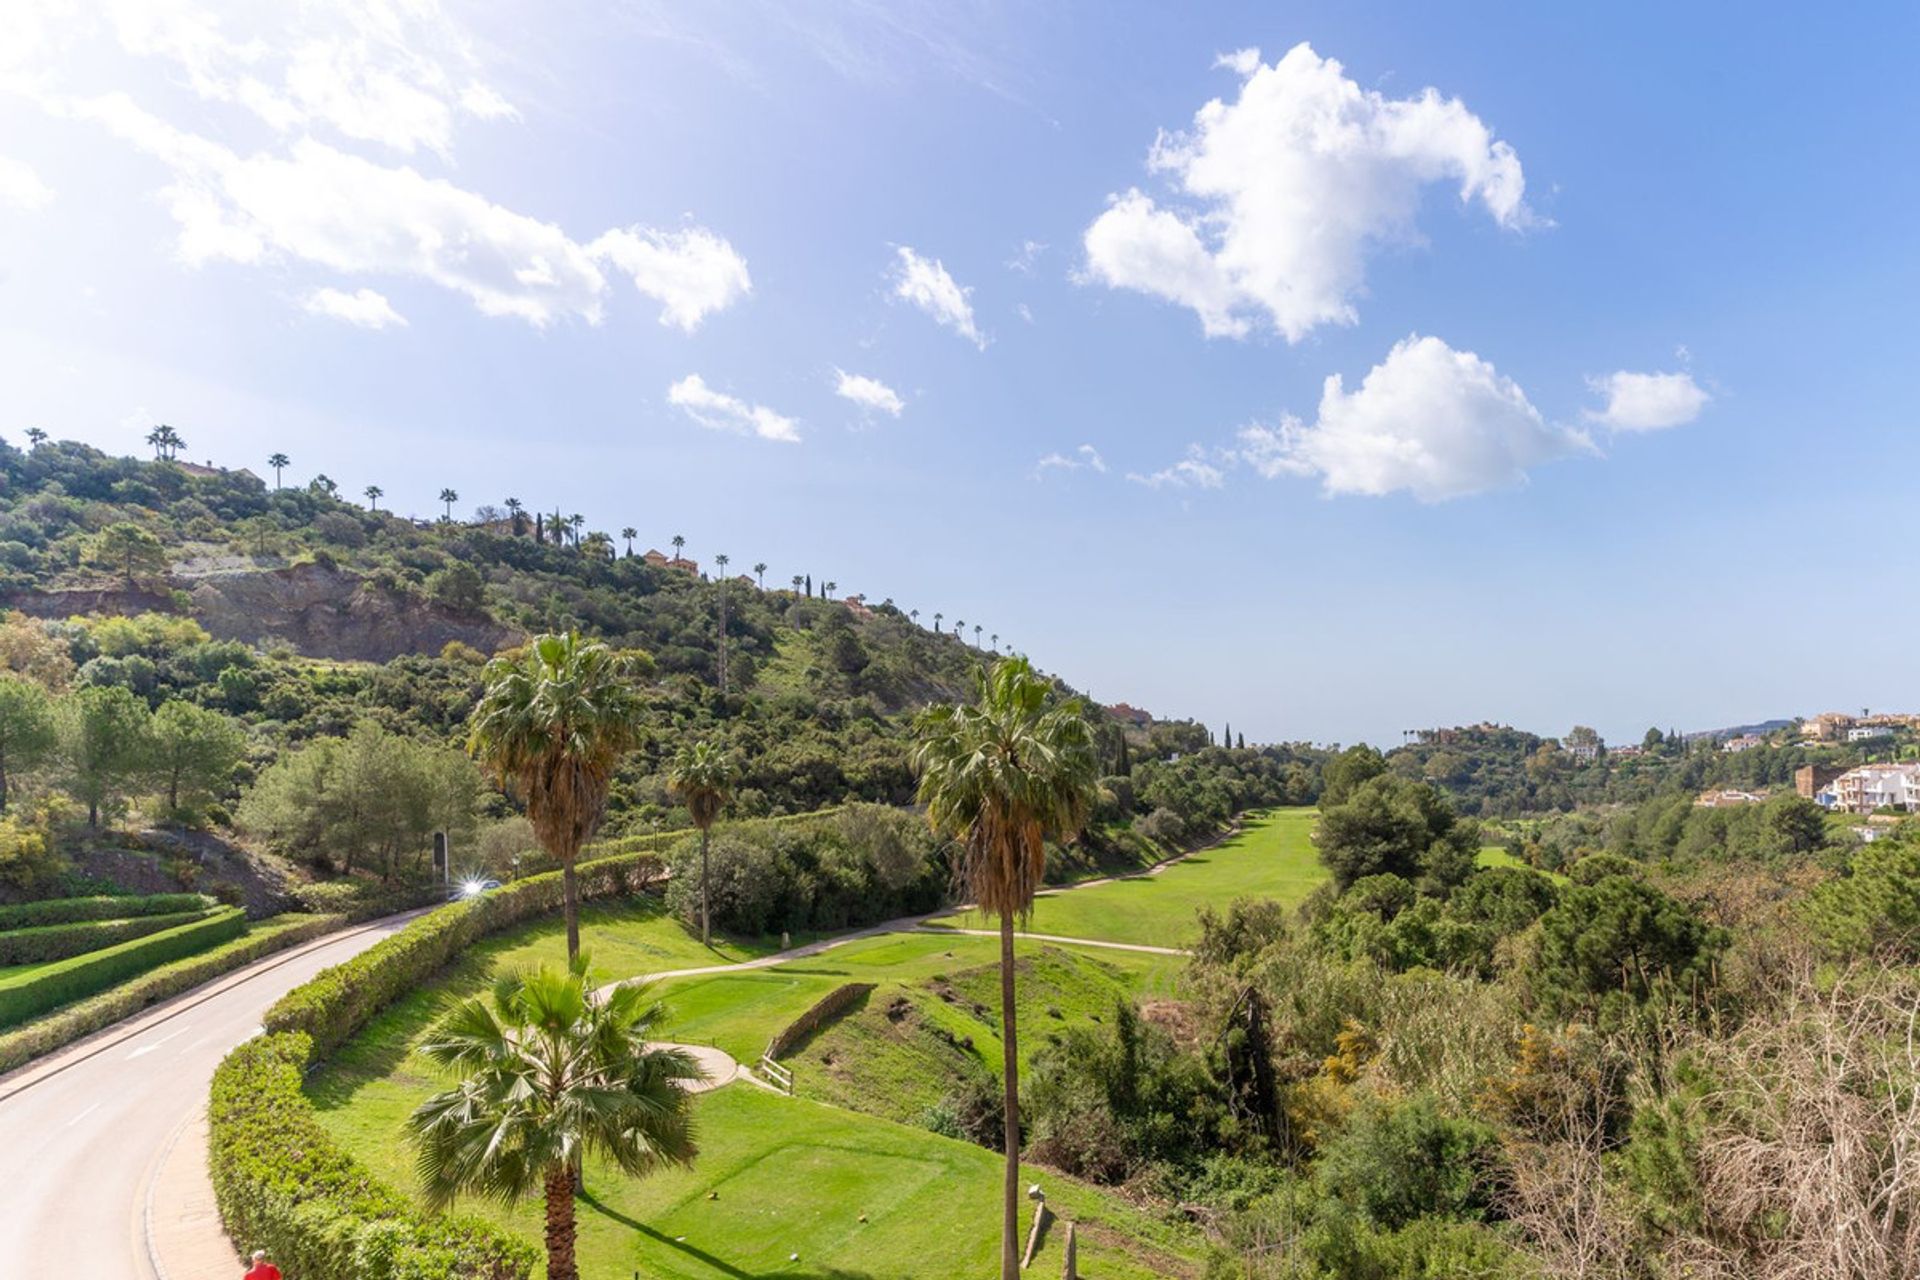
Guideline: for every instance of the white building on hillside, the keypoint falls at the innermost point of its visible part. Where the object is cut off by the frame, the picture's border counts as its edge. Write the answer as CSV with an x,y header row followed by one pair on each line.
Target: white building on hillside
x,y
1861,732
1874,786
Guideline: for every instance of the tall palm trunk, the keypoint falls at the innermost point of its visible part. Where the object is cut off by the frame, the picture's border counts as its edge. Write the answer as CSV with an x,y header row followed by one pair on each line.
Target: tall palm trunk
x,y
1010,1074
706,913
570,889
560,1236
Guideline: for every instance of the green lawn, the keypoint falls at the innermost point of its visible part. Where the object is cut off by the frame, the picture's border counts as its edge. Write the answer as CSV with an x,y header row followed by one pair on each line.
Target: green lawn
x,y
1271,857
792,1175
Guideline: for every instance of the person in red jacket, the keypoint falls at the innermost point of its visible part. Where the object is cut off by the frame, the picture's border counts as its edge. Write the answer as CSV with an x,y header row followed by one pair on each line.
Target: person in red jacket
x,y
262,1269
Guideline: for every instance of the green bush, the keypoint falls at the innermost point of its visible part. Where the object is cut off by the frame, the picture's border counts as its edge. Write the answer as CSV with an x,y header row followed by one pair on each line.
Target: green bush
x,y
50,987
60,941
338,1001
44,1035
283,1184
29,915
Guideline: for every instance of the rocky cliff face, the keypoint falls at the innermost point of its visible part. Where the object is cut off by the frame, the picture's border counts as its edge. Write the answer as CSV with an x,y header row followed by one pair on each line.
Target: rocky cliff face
x,y
322,612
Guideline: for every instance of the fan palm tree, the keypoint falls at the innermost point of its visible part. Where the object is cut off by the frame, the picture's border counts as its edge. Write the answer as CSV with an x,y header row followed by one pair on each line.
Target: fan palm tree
x,y
553,722
279,462
544,1073
629,534
576,522
678,543
828,588
449,496
977,629
760,575
914,616
996,641
936,620
796,584
374,493
514,507
999,777
166,442
323,483
960,629
35,437
702,776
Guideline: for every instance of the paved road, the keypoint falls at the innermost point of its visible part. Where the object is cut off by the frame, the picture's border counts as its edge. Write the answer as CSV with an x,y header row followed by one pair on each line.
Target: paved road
x,y
82,1132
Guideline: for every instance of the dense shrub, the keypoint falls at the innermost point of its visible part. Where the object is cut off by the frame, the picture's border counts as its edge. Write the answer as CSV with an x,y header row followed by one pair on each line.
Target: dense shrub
x,y
1614,944
60,941
870,863
82,976
1398,1163
44,1035
27,915
283,1184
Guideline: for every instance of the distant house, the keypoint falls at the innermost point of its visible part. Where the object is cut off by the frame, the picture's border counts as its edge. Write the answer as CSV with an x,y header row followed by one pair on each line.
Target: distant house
x,y
1874,786
1827,727
1745,742
1726,798
745,579
685,565
655,557
1627,752
208,469
1862,732
857,605
1584,751
1130,714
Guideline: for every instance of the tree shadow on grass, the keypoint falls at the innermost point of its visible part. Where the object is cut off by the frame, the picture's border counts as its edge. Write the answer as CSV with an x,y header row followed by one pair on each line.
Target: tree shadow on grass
x,y
718,1264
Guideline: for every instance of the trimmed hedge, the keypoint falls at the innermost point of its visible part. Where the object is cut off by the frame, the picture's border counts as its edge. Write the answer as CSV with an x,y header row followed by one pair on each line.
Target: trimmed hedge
x,y
30,915
57,1030
83,976
661,841
61,941
285,1185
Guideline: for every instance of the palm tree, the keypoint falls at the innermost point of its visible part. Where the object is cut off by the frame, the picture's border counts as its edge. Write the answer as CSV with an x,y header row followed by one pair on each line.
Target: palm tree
x,y
936,620
35,437
576,522
977,629
166,442
545,1072
999,777
960,630
279,462
720,563
374,493
760,575
702,776
796,584
553,722
996,641
449,496
914,616
629,533
828,588
678,543
323,483
514,507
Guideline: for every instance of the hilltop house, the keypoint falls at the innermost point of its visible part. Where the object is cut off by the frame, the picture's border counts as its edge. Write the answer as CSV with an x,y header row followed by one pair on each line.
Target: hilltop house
x,y
1827,727
1130,714
1862,732
1726,799
1745,742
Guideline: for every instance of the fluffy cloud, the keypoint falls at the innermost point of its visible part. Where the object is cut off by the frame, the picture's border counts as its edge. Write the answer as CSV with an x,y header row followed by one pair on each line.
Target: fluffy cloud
x,y
925,283
1647,401
1288,189
341,211
1083,458
362,307
1433,421
21,188
691,273
718,411
1195,471
871,394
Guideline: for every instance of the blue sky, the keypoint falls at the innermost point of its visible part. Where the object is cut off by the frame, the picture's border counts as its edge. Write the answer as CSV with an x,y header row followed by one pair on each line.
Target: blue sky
x,y
616,259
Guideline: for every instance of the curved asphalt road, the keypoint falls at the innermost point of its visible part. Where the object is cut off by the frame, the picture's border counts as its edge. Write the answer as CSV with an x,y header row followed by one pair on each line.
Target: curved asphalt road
x,y
82,1131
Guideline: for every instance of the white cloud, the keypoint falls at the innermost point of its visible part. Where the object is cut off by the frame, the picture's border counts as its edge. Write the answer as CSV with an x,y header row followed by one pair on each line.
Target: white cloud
x,y
396,74
1083,458
1648,401
325,206
718,411
362,307
1433,421
1287,191
1195,471
21,188
692,272
1028,257
925,283
871,394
